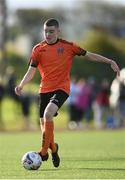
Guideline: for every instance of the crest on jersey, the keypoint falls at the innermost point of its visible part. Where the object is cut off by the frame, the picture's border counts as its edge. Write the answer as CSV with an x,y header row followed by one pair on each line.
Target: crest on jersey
x,y
60,50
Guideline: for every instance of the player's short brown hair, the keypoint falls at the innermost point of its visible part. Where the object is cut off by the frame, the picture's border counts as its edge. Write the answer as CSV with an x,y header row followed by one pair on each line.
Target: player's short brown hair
x,y
52,22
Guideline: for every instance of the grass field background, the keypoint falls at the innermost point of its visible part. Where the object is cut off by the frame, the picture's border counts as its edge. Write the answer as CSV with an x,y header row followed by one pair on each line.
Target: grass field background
x,y
84,155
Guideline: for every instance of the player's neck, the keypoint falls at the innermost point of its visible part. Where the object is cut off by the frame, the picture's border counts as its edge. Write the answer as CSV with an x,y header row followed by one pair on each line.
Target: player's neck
x,y
56,41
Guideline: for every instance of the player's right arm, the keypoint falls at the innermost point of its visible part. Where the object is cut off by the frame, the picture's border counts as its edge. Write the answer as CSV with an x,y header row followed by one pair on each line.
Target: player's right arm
x,y
27,77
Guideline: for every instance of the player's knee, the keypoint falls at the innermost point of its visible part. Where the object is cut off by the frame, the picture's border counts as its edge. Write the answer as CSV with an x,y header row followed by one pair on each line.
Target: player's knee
x,y
48,115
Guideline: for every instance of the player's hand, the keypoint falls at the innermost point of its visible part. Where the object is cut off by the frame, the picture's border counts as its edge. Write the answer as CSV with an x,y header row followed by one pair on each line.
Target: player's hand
x,y
115,67
18,90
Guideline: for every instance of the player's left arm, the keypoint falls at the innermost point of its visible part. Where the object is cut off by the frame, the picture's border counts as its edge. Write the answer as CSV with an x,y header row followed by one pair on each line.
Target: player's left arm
x,y
98,58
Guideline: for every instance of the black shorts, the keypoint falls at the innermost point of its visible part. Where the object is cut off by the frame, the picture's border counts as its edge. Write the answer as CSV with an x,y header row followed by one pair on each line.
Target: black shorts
x,y
57,97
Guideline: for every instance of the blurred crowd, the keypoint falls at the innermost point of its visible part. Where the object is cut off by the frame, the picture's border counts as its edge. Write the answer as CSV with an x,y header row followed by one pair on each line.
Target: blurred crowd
x,y
98,105
91,104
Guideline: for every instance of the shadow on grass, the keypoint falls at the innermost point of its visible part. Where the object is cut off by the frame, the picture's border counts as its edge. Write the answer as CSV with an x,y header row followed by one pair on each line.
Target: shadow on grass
x,y
89,168
80,168
98,159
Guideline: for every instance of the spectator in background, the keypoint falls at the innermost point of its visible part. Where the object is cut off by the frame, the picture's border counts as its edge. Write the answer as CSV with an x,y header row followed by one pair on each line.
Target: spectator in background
x,y
117,99
82,101
101,104
11,82
121,102
91,83
72,104
25,100
79,102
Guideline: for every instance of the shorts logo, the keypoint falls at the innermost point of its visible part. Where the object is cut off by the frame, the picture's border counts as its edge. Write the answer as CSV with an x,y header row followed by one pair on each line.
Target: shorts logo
x,y
60,50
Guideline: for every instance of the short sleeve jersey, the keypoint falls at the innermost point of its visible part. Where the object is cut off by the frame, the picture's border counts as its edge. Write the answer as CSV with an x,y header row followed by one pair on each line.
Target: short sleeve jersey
x,y
54,63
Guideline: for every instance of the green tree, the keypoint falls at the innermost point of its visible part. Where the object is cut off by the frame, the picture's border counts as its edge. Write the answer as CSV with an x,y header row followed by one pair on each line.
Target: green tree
x,y
3,36
101,43
31,20
20,65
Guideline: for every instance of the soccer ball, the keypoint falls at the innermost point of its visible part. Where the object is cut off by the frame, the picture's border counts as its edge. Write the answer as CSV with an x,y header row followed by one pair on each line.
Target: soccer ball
x,y
31,160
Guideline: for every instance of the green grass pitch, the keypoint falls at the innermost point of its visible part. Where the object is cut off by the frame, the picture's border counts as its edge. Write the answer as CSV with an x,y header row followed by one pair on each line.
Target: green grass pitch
x,y
84,155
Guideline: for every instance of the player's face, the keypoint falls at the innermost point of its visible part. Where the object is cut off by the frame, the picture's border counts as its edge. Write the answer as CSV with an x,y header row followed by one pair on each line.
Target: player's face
x,y
51,34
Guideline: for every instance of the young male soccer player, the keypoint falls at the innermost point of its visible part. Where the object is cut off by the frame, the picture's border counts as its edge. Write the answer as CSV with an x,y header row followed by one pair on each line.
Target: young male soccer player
x,y
53,58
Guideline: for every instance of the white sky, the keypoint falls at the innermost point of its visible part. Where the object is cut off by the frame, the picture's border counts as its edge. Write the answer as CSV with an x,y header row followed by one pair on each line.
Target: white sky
x,y
14,4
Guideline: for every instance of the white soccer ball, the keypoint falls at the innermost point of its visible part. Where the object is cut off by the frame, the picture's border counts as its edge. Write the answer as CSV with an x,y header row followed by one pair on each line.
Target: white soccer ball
x,y
31,160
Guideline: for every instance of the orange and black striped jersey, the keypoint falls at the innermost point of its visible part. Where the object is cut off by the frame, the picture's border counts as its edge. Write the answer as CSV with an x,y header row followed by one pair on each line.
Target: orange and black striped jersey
x,y
54,63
